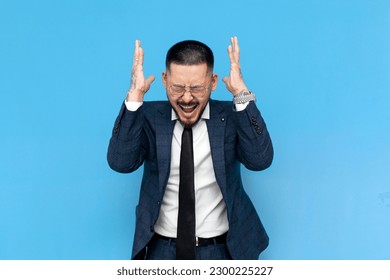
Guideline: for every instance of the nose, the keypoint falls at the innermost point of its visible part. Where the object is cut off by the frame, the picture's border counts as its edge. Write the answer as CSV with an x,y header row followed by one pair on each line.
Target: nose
x,y
187,96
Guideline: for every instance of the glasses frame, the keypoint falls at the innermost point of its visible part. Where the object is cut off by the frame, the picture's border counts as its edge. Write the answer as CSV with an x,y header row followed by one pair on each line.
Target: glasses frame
x,y
188,89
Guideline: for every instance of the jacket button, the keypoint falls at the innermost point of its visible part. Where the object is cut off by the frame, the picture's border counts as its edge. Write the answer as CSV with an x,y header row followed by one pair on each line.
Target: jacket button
x,y
151,229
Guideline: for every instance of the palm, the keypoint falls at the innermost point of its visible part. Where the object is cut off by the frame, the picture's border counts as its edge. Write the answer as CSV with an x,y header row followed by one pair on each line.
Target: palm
x,y
138,85
234,82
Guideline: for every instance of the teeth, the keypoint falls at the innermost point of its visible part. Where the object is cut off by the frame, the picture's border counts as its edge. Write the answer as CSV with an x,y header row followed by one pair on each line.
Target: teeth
x,y
188,106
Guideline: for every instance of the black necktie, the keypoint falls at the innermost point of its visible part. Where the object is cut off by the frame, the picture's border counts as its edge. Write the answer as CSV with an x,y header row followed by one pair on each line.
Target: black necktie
x,y
185,242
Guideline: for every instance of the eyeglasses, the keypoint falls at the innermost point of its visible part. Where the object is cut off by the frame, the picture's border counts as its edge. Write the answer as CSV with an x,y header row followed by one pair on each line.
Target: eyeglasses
x,y
179,90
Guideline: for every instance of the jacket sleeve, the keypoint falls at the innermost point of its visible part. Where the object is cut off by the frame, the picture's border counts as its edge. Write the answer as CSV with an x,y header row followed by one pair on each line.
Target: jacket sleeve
x,y
254,149
128,144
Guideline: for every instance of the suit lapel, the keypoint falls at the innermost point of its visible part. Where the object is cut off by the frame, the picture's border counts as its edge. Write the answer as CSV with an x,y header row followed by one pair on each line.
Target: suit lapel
x,y
164,132
216,129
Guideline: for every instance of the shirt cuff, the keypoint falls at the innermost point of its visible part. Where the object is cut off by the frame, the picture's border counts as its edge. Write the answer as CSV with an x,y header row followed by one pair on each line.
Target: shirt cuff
x,y
133,105
241,106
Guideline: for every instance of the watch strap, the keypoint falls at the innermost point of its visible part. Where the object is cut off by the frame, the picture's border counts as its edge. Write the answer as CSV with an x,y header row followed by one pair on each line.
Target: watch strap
x,y
243,97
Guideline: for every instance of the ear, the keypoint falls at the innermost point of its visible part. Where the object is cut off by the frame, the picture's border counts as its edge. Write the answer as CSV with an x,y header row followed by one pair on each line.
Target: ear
x,y
164,79
214,81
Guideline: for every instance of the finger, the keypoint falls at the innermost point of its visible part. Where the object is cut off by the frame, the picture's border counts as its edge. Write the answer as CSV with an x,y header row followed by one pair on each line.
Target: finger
x,y
150,80
136,52
140,59
137,45
236,49
231,55
225,80
235,43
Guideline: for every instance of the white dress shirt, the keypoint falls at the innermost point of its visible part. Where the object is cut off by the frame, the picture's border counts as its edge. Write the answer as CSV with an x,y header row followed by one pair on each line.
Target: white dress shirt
x,y
210,208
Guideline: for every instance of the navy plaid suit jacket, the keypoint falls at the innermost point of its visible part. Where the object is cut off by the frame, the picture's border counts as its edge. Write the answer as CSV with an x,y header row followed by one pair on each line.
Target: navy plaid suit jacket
x,y
145,136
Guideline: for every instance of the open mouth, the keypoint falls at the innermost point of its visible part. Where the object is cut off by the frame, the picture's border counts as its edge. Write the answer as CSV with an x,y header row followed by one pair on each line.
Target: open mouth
x,y
188,108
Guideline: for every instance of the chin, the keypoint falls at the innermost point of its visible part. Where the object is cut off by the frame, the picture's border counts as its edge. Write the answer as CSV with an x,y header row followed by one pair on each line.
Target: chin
x,y
188,122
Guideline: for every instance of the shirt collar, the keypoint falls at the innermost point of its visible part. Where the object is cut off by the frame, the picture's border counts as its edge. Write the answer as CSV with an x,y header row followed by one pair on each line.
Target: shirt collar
x,y
205,114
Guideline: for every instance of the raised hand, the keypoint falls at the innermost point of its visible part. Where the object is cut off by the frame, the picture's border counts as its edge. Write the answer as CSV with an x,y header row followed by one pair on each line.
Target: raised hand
x,y
138,84
234,82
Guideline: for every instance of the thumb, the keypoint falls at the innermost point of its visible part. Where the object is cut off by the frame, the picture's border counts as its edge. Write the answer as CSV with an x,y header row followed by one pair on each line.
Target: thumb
x,y
225,80
150,80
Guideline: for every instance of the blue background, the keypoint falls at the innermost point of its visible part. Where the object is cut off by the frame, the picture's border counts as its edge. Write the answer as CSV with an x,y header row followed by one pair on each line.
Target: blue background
x,y
321,72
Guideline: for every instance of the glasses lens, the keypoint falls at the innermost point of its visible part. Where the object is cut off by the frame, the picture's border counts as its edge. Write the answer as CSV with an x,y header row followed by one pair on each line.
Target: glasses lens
x,y
175,89
198,90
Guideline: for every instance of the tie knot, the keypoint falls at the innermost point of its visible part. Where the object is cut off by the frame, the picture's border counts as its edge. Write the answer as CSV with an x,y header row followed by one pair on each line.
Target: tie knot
x,y
187,132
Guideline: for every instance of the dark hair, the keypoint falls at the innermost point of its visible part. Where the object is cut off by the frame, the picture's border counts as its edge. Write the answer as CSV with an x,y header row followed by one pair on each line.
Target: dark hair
x,y
190,52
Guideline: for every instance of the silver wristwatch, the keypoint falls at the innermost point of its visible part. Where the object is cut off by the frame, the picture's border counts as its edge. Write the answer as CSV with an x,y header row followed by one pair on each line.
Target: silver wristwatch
x,y
243,97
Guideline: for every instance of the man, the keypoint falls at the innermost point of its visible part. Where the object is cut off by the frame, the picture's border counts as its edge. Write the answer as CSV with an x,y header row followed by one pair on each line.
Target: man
x,y
192,204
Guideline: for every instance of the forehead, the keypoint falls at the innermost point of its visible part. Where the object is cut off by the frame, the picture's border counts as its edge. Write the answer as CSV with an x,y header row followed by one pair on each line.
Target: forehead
x,y
188,73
